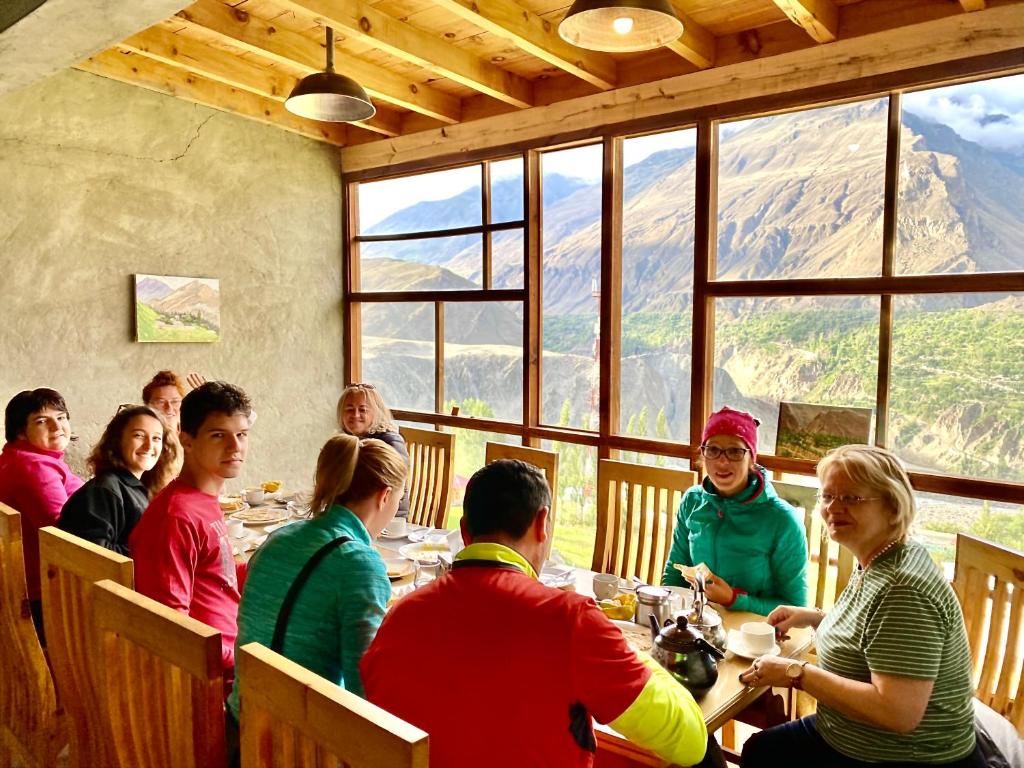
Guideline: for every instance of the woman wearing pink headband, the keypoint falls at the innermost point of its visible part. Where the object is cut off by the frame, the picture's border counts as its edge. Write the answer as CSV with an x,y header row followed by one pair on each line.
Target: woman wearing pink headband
x,y
748,542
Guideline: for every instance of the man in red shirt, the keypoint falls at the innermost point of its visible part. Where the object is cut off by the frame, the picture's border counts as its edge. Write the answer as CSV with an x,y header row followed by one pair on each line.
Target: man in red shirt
x,y
181,549
502,671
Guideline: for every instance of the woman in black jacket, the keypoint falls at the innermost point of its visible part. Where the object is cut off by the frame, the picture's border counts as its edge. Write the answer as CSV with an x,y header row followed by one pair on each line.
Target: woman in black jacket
x,y
133,461
362,413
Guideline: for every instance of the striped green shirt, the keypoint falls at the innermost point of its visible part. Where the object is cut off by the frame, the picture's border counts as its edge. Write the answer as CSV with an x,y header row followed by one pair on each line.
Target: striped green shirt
x,y
903,619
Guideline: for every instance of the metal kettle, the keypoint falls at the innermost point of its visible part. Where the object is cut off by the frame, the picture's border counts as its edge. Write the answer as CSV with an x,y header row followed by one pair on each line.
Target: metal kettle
x,y
704,620
687,656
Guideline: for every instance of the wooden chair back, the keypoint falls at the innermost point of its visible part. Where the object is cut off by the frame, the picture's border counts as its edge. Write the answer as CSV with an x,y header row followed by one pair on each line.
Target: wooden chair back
x,y
431,471
829,566
161,681
70,566
636,515
31,730
291,716
546,461
989,581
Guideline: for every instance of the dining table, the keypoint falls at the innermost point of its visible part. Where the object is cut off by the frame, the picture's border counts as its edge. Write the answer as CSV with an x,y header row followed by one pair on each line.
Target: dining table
x,y
726,700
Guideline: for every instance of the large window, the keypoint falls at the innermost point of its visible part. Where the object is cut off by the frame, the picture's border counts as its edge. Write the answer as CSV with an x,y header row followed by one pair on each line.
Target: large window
x,y
867,255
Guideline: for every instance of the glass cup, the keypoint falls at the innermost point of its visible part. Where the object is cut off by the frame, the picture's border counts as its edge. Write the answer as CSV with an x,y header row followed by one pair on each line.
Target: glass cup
x,y
426,572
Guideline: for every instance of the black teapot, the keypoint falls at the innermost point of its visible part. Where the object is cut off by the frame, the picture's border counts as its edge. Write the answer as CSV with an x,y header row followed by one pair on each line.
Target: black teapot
x,y
688,657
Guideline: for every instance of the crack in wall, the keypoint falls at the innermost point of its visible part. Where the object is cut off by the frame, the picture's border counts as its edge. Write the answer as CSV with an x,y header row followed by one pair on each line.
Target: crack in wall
x,y
122,155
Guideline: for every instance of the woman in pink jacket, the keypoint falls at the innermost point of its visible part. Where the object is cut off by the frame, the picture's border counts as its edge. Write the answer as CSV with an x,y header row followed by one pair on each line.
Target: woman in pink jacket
x,y
34,479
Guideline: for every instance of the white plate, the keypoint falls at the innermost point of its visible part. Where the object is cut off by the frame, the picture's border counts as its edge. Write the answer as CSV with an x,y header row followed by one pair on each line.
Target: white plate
x,y
739,649
420,534
398,567
423,551
392,536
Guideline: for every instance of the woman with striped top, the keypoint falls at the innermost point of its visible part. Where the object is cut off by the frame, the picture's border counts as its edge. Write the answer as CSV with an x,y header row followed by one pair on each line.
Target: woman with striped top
x,y
893,680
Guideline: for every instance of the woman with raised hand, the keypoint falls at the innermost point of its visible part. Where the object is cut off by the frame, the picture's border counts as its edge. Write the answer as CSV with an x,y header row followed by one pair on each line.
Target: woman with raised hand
x,y
131,463
893,678
317,589
748,543
34,478
362,412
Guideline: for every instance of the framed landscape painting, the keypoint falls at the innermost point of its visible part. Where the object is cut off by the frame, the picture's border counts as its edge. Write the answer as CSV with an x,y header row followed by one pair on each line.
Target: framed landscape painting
x,y
171,308
808,431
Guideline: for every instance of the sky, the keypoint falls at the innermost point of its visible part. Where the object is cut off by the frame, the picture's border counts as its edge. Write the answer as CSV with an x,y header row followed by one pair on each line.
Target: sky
x,y
990,113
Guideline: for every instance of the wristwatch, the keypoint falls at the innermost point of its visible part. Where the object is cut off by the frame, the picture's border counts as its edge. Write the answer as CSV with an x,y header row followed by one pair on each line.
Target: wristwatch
x,y
795,674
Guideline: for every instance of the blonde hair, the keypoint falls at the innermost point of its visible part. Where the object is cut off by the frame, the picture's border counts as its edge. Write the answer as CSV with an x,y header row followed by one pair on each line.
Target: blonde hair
x,y
881,472
382,420
350,470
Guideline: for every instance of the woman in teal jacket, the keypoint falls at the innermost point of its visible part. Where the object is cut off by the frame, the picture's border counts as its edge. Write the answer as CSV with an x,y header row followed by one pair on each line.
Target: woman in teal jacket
x,y
748,541
336,612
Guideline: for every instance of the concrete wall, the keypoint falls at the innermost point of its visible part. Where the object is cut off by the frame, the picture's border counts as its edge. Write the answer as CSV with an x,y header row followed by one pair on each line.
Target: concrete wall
x,y
100,181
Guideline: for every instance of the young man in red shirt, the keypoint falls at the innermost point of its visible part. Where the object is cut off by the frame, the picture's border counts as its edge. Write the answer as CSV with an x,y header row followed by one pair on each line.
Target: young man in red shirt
x,y
182,553
502,671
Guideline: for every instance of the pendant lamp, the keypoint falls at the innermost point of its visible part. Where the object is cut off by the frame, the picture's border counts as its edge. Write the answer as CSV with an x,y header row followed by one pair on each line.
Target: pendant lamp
x,y
620,26
329,96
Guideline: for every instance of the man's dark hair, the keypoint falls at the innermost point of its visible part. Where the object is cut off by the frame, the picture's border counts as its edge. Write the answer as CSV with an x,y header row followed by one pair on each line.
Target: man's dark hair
x,y
504,497
212,397
24,404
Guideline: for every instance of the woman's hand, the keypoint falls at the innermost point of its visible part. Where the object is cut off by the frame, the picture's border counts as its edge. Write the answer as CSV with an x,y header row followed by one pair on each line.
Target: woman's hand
x,y
716,588
767,670
787,617
195,380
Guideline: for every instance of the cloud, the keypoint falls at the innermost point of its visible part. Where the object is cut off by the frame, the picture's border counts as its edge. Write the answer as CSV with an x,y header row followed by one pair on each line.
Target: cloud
x,y
990,113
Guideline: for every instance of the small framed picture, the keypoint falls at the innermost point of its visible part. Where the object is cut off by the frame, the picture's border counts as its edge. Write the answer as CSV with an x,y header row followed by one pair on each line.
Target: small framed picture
x,y
169,308
809,431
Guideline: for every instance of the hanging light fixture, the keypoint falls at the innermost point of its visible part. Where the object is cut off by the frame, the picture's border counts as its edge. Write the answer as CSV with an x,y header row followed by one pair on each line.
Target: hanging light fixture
x,y
329,96
620,26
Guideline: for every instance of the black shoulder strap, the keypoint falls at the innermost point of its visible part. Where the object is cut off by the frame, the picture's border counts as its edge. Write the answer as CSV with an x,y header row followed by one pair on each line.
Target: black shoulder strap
x,y
281,628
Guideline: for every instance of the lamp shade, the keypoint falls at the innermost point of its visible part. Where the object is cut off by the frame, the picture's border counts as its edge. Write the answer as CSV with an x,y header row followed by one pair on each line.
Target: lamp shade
x,y
331,97
620,26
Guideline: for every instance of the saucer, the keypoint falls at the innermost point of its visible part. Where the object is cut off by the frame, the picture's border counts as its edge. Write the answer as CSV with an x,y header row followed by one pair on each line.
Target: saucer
x,y
738,648
392,536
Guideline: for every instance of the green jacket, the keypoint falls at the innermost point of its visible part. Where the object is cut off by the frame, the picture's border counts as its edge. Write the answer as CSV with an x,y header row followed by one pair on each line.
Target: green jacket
x,y
337,612
753,540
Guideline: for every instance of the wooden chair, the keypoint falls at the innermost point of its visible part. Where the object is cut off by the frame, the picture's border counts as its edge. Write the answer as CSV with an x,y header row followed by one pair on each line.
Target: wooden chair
x,y
636,514
32,730
291,716
161,681
431,471
989,581
829,565
70,566
546,461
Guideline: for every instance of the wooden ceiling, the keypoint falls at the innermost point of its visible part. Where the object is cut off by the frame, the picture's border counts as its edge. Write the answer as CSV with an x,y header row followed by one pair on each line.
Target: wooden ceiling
x,y
431,63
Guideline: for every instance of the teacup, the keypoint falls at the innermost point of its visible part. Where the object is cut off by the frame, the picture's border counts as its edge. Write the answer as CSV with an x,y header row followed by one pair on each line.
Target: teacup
x,y
758,637
397,528
254,495
606,586
236,529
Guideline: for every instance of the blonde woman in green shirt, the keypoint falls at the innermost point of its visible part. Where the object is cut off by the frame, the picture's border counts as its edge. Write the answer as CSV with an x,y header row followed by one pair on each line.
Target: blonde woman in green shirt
x,y
893,682
318,588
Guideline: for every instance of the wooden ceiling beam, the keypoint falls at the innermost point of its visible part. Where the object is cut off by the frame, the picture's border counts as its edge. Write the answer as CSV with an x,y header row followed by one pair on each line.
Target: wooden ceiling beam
x,y
181,52
819,18
363,22
259,37
696,45
145,73
536,36
972,5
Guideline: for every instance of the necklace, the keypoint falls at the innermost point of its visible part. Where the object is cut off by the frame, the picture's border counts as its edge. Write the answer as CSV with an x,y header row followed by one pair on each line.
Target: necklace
x,y
858,575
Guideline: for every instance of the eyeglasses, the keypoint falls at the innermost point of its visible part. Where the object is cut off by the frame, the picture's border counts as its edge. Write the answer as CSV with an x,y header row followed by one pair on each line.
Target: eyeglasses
x,y
826,499
732,454
359,386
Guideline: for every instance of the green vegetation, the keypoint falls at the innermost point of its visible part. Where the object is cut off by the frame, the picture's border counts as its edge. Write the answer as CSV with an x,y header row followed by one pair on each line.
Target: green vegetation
x,y
154,326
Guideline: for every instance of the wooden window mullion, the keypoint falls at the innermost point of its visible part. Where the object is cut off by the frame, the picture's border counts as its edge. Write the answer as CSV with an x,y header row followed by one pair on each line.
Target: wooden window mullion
x,y
889,225
533,283
610,305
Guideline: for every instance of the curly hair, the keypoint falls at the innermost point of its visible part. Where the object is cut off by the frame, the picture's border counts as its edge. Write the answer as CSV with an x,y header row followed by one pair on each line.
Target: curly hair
x,y
163,379
106,454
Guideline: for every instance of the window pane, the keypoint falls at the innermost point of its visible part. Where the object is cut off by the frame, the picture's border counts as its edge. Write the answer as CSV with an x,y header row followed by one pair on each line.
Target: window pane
x,y
469,457
657,284
508,254
773,350
940,518
576,523
483,359
572,276
507,190
961,202
421,203
801,194
957,400
433,264
398,353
